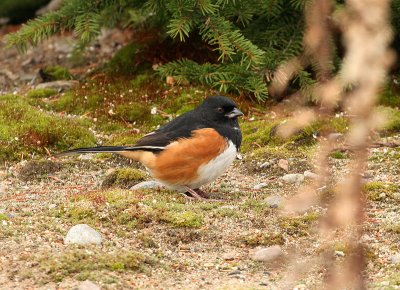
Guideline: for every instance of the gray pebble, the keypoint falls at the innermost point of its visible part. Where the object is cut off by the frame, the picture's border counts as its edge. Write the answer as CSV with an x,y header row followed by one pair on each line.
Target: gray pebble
x,y
229,256
88,285
234,272
309,174
335,136
58,85
82,234
266,164
147,184
260,185
293,178
395,259
274,201
267,254
339,254
85,157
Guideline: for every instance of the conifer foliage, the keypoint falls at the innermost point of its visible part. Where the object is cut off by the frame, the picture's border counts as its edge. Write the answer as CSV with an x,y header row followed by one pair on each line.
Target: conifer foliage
x,y
252,37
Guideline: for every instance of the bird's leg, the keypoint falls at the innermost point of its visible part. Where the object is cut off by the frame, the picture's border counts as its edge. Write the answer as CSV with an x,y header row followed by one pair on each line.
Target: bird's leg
x,y
193,193
202,193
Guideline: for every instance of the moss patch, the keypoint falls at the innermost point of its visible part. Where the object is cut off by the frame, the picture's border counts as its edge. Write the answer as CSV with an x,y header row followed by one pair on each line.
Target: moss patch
x,y
380,191
79,262
24,129
133,112
55,73
35,169
262,239
125,210
339,155
41,93
125,61
298,226
392,118
124,178
185,219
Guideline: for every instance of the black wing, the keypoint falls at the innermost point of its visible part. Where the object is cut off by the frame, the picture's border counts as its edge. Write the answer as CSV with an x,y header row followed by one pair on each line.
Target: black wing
x,y
181,127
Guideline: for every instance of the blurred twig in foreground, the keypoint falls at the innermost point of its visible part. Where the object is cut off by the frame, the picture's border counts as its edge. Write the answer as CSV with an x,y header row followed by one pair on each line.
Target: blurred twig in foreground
x,y
366,32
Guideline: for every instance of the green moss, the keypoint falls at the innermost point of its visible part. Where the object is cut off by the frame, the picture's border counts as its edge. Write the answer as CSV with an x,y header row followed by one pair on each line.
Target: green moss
x,y
392,116
380,191
125,61
124,177
75,103
41,93
389,98
185,219
262,239
135,112
147,240
25,130
54,73
124,210
3,217
80,260
140,80
187,100
339,155
394,228
395,279
298,226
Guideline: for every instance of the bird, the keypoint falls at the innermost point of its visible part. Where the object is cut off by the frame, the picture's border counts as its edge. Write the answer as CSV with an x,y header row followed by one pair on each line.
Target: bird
x,y
188,152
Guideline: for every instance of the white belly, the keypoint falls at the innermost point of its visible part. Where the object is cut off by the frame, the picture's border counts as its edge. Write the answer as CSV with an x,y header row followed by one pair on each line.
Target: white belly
x,y
207,173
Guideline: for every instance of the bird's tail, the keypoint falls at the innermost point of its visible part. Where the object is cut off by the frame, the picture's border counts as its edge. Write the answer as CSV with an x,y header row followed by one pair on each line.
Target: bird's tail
x,y
98,149
143,154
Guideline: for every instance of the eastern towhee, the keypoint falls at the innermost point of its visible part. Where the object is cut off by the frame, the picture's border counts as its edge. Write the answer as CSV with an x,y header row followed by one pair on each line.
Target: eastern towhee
x,y
191,150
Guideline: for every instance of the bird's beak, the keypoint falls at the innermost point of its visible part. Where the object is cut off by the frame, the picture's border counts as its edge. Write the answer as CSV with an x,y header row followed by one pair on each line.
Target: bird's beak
x,y
234,113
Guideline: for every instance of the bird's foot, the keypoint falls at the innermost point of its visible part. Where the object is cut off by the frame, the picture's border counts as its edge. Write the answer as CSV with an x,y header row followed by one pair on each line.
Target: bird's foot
x,y
198,194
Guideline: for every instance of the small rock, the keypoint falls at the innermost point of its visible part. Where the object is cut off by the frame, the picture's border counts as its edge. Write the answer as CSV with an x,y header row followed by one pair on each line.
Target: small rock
x,y
267,254
58,85
85,157
284,164
339,254
88,285
266,164
260,185
395,259
293,178
147,184
335,136
234,272
300,287
82,234
309,174
385,283
273,201
229,256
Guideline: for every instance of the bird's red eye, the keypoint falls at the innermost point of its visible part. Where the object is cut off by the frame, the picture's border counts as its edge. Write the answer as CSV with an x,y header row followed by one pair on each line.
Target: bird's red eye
x,y
220,110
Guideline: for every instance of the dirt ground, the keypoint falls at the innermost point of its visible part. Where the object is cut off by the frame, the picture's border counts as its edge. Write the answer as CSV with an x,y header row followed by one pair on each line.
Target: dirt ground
x,y
157,239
